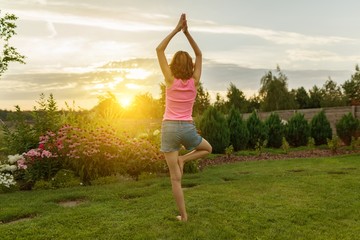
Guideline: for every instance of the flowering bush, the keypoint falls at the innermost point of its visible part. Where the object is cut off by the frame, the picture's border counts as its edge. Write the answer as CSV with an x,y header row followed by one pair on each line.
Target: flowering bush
x,y
100,152
90,154
8,169
41,164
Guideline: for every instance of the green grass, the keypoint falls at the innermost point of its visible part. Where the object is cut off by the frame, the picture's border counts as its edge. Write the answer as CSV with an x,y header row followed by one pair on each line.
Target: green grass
x,y
315,198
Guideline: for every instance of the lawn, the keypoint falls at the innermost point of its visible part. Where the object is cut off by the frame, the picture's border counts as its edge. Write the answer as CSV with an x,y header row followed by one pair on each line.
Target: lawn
x,y
317,198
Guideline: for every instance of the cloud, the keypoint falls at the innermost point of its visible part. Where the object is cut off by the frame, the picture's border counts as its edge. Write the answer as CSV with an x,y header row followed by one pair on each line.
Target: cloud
x,y
278,37
51,29
318,56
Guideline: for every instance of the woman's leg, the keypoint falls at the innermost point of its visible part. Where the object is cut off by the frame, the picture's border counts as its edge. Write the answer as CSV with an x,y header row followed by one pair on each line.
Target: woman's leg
x,y
203,149
175,176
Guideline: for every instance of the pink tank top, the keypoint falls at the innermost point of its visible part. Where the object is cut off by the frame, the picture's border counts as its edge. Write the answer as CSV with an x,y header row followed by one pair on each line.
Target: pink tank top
x,y
180,98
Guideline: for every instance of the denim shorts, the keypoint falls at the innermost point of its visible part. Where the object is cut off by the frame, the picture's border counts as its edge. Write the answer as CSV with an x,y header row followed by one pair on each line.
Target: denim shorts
x,y
176,133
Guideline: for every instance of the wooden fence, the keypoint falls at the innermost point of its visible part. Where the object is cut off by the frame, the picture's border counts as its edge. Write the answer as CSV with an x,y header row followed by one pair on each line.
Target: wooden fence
x,y
333,114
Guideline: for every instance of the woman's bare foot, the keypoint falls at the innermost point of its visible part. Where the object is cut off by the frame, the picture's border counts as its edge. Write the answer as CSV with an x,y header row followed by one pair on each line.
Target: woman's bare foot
x,y
181,219
181,164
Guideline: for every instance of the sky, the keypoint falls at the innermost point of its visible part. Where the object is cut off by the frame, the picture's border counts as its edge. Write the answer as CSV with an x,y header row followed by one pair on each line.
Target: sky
x,y
80,50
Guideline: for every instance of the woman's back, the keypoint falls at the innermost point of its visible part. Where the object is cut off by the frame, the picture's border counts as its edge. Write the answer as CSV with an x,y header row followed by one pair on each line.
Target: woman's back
x,y
180,98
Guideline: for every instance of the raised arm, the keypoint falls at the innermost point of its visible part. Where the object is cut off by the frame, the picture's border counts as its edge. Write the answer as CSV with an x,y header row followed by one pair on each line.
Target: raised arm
x,y
198,54
160,51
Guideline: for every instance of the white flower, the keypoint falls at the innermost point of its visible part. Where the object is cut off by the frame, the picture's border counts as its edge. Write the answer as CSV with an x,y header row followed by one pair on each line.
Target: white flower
x,y
7,180
7,167
13,158
156,132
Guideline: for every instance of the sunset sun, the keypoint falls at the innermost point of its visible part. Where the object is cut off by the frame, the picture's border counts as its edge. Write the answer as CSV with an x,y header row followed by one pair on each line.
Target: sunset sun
x,y
125,102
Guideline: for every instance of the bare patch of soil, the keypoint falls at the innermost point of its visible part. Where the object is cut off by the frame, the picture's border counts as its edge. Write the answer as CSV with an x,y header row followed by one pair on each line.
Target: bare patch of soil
x,y
19,219
71,203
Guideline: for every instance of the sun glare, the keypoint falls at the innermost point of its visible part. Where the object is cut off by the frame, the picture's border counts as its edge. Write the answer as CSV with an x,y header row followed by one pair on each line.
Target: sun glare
x,y
125,102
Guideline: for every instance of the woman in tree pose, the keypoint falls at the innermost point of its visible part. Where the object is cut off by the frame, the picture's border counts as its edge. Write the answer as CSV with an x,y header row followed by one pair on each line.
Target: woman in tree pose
x,y
182,77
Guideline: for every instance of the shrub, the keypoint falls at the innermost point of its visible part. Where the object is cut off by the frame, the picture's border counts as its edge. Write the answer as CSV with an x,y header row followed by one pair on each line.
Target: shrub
x,y
333,144
285,145
239,134
311,143
214,128
275,130
229,151
320,128
347,127
298,130
257,131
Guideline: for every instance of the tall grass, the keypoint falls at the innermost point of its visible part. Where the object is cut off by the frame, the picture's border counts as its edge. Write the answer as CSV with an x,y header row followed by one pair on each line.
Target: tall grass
x,y
316,198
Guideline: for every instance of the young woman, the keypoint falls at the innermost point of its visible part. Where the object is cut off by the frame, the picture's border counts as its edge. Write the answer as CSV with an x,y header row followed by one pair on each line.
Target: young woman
x,y
182,77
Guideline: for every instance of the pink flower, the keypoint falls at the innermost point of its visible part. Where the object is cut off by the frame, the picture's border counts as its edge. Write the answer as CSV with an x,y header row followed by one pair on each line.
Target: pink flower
x,y
46,153
42,146
21,164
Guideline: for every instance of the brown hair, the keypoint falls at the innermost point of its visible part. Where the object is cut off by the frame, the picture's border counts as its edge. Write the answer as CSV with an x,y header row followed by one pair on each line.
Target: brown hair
x,y
182,66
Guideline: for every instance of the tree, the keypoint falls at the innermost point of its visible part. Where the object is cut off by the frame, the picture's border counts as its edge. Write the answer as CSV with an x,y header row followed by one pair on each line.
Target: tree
x,y
298,130
275,130
108,108
239,134
214,128
302,98
315,97
352,88
236,98
219,103
202,100
274,92
257,130
331,94
9,53
320,128
145,106
253,103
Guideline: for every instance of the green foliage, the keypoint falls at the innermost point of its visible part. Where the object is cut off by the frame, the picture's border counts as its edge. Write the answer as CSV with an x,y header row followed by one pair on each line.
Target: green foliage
x,y
298,130
202,101
331,94
21,136
260,146
220,104
62,179
333,144
236,98
229,151
347,127
285,145
352,88
315,97
275,93
214,129
191,167
275,130
239,134
311,143
302,98
257,130
46,115
320,128
9,53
